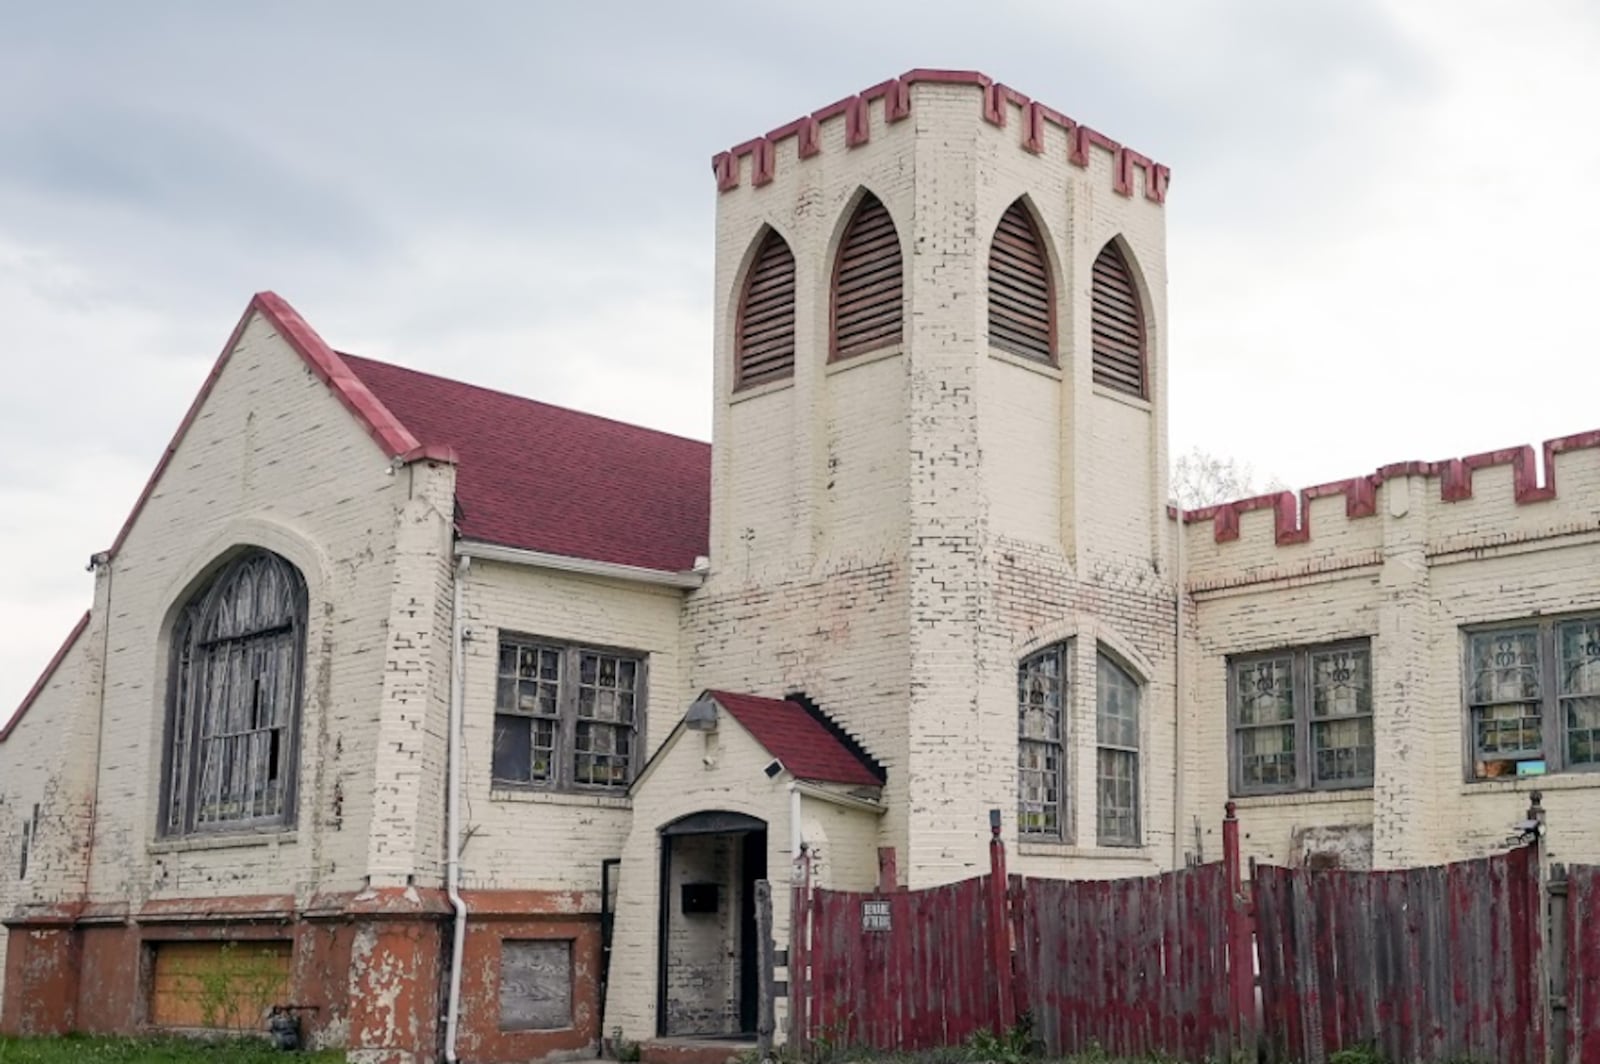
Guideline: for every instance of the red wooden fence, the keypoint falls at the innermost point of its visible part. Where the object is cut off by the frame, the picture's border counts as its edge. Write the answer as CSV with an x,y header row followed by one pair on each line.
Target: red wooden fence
x,y
1422,963
925,980
1582,956
1134,966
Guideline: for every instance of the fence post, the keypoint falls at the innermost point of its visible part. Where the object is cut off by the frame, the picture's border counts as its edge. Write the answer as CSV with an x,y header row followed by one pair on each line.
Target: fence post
x,y
1241,945
1000,926
799,948
766,961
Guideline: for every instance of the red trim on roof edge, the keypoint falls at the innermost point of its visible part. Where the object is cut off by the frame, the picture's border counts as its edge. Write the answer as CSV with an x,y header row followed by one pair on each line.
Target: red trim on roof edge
x,y
1292,517
44,677
381,425
896,96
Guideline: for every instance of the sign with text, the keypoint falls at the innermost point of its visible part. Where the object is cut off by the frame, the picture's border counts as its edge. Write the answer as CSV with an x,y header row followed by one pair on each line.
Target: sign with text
x,y
875,916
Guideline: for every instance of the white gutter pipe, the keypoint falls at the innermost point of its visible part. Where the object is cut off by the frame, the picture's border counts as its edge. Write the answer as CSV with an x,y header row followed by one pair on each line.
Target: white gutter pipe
x,y
1178,747
494,552
452,875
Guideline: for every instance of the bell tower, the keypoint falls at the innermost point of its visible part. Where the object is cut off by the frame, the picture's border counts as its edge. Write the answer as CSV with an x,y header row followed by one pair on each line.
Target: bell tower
x,y
940,444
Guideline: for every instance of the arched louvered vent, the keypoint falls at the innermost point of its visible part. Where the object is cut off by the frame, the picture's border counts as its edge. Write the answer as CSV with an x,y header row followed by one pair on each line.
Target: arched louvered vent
x,y
766,316
867,283
1118,323
1021,303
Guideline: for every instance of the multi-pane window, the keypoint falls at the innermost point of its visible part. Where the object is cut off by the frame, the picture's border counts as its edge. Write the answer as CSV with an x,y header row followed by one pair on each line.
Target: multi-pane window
x,y
1117,755
1041,701
234,700
1533,698
567,717
1302,719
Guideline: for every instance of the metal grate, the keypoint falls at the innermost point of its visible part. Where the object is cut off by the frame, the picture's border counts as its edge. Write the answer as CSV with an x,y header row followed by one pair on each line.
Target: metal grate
x,y
766,316
1021,302
867,284
1118,325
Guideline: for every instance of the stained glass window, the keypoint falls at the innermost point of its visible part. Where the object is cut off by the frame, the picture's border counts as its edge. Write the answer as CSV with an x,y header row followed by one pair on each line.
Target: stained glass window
x,y
1117,757
1302,719
1041,698
566,716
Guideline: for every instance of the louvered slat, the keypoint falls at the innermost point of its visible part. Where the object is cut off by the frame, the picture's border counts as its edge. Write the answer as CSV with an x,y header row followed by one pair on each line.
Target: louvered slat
x,y
1117,324
868,284
766,316
1021,303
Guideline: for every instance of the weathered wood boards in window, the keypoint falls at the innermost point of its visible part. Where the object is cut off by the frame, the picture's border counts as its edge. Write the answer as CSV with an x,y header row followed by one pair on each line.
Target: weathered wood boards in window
x,y
867,283
1021,298
535,985
219,986
235,699
1118,325
765,329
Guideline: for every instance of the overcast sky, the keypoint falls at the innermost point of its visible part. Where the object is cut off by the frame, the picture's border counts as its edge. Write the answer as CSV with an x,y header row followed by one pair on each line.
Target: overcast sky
x,y
1382,218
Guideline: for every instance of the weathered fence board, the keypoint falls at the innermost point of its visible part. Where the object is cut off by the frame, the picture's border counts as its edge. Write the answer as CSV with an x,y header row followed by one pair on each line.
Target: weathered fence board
x,y
927,980
1583,963
1134,966
1423,963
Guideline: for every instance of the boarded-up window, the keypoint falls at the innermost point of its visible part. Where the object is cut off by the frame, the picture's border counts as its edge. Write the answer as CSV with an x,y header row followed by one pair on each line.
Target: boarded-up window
x,y
1118,325
766,316
867,283
1021,300
535,985
234,699
218,985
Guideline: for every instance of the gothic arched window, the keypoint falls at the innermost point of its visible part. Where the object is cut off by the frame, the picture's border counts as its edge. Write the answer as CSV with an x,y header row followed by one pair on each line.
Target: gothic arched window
x,y
1117,321
233,705
765,328
1022,305
868,283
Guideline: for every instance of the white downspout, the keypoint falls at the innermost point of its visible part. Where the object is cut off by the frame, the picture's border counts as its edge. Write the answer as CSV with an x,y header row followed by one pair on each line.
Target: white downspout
x,y
796,836
452,876
1179,753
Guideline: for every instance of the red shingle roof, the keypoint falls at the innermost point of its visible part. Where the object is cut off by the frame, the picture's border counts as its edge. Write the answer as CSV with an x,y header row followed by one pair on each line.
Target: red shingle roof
x,y
803,740
549,479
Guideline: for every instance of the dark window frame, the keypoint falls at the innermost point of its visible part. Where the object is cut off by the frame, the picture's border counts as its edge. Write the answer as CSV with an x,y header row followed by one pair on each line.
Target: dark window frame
x,y
779,317
1103,370
184,734
563,775
1105,745
1551,701
1303,722
1062,831
880,338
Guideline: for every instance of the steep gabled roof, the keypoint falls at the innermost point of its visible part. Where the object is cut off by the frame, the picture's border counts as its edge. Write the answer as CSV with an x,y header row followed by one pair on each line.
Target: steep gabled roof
x,y
529,475
44,678
810,745
548,479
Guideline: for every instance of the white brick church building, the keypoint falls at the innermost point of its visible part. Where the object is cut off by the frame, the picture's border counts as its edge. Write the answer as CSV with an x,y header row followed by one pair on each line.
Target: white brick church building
x,y
469,722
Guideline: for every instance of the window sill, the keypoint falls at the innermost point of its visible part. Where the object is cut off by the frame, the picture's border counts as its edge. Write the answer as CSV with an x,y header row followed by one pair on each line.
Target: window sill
x,y
1124,398
1044,369
1043,848
756,391
1561,781
1268,801
864,359
237,840
585,801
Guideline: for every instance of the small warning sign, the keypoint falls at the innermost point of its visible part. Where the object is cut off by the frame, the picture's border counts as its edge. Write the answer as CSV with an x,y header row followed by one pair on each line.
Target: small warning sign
x,y
875,916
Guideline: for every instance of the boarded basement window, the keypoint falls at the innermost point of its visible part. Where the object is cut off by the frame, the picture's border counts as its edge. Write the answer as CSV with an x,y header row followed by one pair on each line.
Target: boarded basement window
x,y
867,283
1118,325
766,316
535,985
218,986
1021,301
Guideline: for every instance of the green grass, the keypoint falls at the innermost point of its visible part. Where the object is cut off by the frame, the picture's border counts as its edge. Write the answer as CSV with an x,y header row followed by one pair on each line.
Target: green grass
x,y
76,1049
